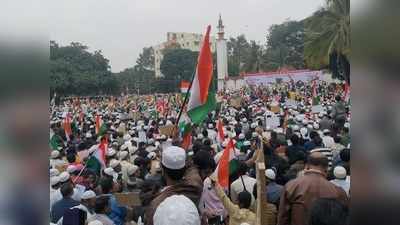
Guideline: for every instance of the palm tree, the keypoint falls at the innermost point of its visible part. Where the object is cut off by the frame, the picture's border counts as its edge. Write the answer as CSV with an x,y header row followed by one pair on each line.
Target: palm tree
x,y
327,39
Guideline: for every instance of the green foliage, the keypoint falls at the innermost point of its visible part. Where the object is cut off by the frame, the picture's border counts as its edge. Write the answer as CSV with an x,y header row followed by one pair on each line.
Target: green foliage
x,y
146,60
327,41
178,64
76,71
285,46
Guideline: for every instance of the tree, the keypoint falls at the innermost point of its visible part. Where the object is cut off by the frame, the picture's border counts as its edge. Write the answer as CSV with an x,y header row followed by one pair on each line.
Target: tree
x,y
146,60
328,38
76,71
238,52
285,46
178,64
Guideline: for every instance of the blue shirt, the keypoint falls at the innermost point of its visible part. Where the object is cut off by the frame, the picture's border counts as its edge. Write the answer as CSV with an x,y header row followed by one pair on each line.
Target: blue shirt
x,y
274,191
118,213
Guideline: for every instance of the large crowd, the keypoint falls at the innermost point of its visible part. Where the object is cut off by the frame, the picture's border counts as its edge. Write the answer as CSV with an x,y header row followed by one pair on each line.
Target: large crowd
x,y
105,147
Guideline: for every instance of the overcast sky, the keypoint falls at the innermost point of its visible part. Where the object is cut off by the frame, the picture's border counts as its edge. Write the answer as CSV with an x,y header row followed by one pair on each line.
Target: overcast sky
x,y
121,28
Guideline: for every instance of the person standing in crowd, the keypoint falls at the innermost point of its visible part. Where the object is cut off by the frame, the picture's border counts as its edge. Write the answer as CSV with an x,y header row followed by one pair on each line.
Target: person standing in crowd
x,y
338,113
173,164
117,213
325,211
299,194
102,209
341,179
274,190
238,213
176,210
59,207
243,183
88,203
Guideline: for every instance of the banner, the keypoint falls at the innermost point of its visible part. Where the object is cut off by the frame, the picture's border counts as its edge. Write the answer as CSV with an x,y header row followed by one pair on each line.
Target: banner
x,y
287,76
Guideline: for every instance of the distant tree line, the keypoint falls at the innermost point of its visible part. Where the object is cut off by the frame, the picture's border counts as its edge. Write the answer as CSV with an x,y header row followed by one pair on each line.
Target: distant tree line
x,y
318,42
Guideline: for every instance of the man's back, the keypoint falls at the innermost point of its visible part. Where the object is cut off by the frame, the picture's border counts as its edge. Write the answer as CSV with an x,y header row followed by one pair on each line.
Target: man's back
x,y
299,194
237,187
57,211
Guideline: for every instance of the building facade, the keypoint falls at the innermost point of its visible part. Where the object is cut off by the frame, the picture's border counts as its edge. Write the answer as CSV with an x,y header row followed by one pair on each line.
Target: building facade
x,y
190,41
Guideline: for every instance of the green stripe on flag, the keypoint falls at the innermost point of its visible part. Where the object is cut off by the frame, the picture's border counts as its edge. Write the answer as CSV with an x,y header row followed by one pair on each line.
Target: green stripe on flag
x,y
102,130
198,114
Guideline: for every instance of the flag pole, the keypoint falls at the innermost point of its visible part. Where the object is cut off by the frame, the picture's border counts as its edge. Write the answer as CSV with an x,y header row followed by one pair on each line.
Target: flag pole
x,y
185,100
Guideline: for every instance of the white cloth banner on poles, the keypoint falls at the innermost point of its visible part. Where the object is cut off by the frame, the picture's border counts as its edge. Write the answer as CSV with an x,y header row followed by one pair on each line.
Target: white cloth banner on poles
x,y
272,77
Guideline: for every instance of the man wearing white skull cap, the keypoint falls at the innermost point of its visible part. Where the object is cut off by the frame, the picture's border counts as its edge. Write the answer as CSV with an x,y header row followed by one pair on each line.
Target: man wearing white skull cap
x,y
173,163
176,210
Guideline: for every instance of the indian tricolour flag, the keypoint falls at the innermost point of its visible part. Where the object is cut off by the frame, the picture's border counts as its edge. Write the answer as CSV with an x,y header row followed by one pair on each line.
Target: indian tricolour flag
x,y
202,101
100,126
67,126
315,97
226,164
221,135
185,86
101,151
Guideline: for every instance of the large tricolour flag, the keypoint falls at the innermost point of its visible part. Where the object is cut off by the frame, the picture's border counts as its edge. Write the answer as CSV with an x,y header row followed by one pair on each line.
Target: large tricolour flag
x,y
201,101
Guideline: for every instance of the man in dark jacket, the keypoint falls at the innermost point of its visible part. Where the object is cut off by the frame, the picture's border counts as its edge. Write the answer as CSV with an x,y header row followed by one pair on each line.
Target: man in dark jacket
x,y
300,193
57,211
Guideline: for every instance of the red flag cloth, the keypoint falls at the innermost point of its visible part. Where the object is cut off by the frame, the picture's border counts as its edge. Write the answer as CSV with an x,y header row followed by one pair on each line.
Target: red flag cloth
x,y
223,165
220,131
67,126
103,148
205,67
98,121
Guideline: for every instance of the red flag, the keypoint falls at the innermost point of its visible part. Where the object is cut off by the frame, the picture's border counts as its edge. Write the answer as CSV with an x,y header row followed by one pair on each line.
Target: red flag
x,y
346,96
223,165
220,128
98,123
103,146
67,126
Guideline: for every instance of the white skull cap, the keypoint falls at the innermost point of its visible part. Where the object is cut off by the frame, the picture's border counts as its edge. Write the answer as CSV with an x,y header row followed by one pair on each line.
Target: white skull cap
x,y
122,154
340,172
270,174
95,222
131,169
54,154
176,210
54,172
54,180
64,176
114,163
109,171
174,157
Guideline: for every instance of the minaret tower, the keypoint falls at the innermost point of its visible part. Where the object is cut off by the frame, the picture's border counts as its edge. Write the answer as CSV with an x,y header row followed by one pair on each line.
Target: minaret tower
x,y
222,56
